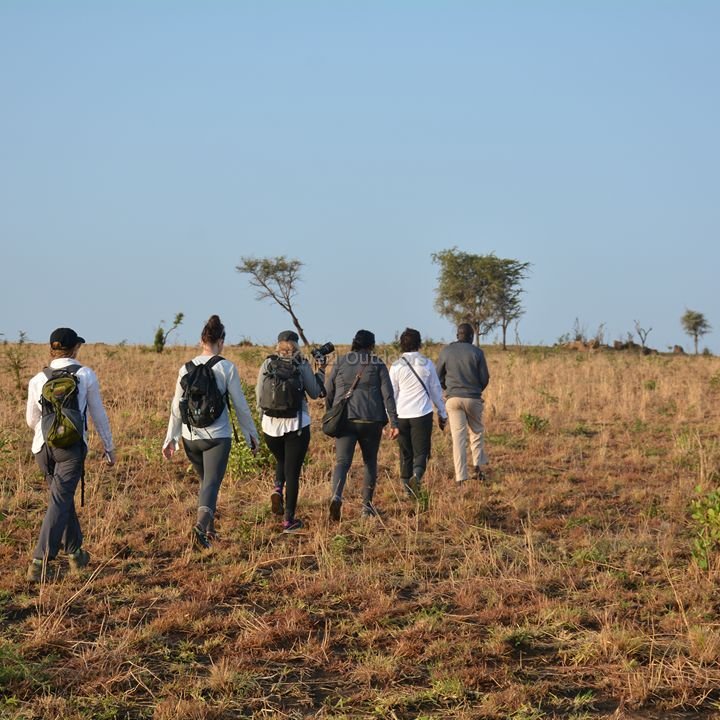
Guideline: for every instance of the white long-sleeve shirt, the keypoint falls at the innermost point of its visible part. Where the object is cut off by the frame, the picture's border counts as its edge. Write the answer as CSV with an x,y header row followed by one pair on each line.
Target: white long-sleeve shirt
x,y
228,379
89,400
410,397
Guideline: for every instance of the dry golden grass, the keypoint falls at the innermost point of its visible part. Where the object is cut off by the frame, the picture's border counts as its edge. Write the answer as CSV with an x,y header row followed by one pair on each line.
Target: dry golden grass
x,y
564,587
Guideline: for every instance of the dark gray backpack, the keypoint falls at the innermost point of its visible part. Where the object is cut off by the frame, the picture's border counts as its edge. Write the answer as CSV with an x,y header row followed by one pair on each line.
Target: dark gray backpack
x,y
281,388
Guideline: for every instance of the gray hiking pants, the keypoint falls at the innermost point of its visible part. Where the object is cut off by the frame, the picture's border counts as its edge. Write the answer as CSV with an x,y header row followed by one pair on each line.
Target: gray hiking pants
x,y
210,459
368,435
60,528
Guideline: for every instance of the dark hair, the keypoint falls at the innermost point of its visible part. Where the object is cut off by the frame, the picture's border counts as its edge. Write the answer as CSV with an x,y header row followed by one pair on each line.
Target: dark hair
x,y
410,340
363,340
465,332
213,331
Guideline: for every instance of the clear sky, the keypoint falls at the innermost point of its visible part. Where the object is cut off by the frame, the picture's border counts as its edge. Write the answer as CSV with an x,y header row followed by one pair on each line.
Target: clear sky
x,y
146,146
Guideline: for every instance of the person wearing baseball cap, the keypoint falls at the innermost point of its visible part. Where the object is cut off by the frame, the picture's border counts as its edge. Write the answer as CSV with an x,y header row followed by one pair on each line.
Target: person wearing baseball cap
x,y
288,437
64,467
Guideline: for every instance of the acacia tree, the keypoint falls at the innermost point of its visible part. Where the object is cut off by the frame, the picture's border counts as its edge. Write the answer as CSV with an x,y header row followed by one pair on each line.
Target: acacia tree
x,y
695,325
275,278
161,335
506,292
482,290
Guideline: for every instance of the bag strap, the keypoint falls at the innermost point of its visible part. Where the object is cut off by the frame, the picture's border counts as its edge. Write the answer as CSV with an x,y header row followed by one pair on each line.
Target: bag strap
x,y
407,362
70,369
355,382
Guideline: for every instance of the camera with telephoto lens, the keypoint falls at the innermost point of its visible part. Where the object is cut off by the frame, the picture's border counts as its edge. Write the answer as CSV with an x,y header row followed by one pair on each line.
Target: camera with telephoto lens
x,y
320,353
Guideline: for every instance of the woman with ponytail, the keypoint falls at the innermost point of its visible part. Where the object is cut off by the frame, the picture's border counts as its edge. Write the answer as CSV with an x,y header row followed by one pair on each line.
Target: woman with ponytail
x,y
208,446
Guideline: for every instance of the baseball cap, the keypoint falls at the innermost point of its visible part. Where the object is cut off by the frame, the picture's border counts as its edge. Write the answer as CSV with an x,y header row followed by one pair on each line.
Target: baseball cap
x,y
65,339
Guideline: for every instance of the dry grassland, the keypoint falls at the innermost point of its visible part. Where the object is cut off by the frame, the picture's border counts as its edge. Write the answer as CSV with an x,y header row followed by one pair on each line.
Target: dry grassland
x,y
564,587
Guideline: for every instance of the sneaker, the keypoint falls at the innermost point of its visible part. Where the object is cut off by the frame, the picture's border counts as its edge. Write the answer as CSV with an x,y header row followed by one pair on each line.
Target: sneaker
x,y
335,507
276,502
200,538
35,571
78,560
479,474
290,527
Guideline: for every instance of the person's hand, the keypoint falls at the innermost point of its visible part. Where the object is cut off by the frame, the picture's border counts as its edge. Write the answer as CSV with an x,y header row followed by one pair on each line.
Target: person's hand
x,y
254,446
169,450
393,433
442,422
110,457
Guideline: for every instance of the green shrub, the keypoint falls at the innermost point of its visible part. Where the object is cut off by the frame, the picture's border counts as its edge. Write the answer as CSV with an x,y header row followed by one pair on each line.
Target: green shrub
x,y
534,423
705,515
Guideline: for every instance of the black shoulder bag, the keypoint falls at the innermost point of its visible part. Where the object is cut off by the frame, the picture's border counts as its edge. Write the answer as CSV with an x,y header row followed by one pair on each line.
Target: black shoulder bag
x,y
333,421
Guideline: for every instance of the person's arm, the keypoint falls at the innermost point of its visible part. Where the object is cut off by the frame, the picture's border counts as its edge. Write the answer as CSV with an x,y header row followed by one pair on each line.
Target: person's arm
x,y
98,414
330,387
312,382
394,381
386,389
242,410
174,430
33,411
483,372
435,390
441,369
258,385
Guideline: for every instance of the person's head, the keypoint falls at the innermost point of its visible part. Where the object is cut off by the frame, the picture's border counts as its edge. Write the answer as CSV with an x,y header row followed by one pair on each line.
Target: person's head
x,y
213,333
363,340
465,332
287,343
64,342
410,340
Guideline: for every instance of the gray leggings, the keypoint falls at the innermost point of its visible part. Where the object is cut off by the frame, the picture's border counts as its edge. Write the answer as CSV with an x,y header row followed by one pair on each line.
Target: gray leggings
x,y
210,459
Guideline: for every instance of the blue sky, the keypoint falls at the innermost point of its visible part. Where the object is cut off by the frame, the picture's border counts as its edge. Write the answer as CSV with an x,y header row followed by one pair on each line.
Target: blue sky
x,y
145,147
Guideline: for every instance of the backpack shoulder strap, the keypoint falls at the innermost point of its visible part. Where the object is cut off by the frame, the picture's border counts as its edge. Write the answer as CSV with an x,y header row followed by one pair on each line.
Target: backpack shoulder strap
x,y
71,369
214,360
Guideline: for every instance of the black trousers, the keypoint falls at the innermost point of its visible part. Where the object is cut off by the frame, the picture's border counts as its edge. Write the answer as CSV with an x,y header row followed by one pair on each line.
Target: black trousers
x,y
414,444
289,451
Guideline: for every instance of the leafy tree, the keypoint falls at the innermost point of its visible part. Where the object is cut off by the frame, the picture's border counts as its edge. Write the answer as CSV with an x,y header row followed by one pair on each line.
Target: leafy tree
x,y
161,335
275,278
505,294
482,290
695,325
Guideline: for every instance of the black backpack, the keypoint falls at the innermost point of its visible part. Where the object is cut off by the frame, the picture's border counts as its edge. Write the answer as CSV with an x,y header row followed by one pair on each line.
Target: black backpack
x,y
281,388
62,423
202,402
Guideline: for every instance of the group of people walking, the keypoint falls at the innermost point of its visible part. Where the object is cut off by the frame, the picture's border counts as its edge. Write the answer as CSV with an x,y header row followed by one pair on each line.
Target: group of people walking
x,y
375,396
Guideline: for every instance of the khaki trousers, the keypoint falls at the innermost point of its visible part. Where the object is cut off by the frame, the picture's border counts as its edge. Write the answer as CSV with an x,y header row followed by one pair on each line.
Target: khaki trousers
x,y
465,416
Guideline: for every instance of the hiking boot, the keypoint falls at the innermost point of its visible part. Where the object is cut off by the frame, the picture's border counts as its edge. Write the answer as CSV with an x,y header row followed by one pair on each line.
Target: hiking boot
x,y
370,511
413,486
478,474
200,538
290,527
276,502
78,560
35,571
335,508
